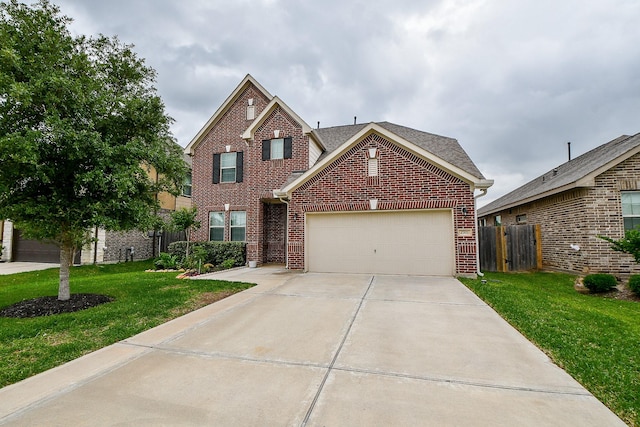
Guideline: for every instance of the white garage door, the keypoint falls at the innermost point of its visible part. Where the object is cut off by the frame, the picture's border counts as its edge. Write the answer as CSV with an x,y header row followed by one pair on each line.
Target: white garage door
x,y
406,242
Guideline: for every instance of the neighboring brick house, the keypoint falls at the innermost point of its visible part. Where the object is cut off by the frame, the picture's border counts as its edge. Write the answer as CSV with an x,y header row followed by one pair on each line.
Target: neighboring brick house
x,y
110,246
363,198
596,194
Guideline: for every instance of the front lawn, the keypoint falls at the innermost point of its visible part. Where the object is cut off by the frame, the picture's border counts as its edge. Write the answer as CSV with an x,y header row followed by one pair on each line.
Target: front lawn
x,y
141,301
594,338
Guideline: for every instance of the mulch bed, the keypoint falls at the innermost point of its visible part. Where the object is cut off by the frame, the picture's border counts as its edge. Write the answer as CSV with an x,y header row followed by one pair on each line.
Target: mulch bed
x,y
47,306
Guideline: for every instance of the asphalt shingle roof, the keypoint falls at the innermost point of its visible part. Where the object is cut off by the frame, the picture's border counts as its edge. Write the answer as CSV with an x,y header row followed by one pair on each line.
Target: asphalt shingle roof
x,y
446,148
565,174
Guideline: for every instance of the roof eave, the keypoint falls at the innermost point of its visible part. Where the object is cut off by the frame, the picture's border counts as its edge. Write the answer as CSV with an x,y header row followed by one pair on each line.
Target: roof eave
x,y
189,149
475,182
275,101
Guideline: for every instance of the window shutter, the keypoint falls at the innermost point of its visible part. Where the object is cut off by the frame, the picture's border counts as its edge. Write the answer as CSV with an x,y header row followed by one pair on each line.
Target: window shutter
x,y
288,147
216,168
239,166
266,149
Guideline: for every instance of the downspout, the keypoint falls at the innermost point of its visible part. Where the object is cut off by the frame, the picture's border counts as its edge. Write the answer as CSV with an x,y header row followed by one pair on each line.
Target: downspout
x,y
475,213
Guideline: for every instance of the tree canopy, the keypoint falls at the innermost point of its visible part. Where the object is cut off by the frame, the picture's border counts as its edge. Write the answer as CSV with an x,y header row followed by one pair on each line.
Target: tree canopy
x,y
80,124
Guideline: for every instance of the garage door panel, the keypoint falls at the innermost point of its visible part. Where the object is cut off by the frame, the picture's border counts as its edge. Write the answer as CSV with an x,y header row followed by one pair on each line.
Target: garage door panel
x,y
409,242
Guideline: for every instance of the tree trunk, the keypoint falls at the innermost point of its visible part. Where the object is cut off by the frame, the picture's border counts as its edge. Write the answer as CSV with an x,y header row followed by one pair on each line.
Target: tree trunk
x,y
66,258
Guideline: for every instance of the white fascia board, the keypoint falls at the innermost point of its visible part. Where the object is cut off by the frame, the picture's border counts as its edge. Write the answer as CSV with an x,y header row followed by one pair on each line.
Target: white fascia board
x,y
275,102
409,146
222,109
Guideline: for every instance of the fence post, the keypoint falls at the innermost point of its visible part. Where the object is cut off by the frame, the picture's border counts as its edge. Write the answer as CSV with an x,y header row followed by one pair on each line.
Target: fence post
x,y
501,250
538,247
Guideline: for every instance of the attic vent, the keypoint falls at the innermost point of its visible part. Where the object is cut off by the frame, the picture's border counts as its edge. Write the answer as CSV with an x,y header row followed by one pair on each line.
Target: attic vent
x,y
251,109
373,167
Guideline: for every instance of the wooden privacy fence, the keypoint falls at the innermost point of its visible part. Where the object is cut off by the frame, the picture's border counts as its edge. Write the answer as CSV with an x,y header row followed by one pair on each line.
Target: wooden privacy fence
x,y
510,248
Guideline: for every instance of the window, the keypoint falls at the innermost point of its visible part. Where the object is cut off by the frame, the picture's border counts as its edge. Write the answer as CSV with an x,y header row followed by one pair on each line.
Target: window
x,y
630,209
227,167
521,219
238,226
279,148
497,220
186,185
216,226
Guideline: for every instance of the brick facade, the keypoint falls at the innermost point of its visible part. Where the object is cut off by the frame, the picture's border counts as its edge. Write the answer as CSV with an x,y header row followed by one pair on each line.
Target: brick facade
x,y
405,181
578,217
254,195
275,226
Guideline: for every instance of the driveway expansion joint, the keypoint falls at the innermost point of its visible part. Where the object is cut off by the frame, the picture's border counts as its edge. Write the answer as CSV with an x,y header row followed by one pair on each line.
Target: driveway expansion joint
x,y
335,357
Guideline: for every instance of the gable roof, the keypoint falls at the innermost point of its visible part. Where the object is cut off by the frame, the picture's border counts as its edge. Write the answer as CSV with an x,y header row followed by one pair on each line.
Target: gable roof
x,y
578,172
247,81
275,102
445,152
445,148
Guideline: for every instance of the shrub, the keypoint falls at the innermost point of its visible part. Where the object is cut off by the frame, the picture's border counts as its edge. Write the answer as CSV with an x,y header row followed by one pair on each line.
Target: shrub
x,y
216,252
228,263
599,282
166,261
634,283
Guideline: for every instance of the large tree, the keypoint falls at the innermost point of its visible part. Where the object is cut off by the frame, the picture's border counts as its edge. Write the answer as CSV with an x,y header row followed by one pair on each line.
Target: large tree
x,y
80,125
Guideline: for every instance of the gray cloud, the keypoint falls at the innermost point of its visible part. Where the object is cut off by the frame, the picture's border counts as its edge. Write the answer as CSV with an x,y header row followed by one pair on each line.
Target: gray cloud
x,y
512,81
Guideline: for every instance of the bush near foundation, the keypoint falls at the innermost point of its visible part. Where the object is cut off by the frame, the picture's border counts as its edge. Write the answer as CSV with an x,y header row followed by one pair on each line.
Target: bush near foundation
x,y
217,252
634,283
600,282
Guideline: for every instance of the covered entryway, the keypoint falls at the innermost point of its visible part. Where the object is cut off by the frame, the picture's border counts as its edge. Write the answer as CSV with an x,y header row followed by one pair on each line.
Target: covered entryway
x,y
398,242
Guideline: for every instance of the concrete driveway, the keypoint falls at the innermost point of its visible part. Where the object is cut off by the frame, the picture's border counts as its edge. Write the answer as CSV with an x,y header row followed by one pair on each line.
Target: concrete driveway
x,y
21,267
316,350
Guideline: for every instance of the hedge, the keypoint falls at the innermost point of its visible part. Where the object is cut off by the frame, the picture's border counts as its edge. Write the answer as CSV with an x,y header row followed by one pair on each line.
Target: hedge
x,y
217,252
599,282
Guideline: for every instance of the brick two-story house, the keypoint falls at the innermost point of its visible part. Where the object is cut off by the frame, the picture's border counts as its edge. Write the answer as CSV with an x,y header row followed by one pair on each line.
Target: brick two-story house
x,y
595,194
362,198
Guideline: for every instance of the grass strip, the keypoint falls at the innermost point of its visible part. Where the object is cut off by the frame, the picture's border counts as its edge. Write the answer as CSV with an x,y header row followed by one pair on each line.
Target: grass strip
x,y
594,338
141,301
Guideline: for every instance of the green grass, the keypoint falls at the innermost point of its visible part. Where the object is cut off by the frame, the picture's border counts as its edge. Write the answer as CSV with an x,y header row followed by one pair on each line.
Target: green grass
x,y
142,301
595,339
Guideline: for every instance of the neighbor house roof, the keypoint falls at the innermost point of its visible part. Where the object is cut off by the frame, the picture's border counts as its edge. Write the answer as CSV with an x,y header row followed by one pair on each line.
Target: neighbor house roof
x,y
445,152
576,173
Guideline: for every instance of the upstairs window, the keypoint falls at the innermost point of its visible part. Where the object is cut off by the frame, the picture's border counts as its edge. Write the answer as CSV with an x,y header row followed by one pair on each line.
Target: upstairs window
x,y
186,185
227,167
278,148
630,209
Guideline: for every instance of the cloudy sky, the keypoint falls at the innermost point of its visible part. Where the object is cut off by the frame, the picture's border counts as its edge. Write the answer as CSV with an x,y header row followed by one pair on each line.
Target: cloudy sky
x,y
513,81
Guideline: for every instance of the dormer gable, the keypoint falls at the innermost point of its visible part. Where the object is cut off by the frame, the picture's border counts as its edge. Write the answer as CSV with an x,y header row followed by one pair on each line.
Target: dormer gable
x,y
222,110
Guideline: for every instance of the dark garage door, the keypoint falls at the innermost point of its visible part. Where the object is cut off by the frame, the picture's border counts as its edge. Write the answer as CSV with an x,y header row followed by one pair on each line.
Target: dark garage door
x,y
27,250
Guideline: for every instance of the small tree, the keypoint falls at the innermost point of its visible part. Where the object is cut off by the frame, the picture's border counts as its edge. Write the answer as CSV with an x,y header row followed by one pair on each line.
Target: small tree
x,y
629,244
184,219
81,126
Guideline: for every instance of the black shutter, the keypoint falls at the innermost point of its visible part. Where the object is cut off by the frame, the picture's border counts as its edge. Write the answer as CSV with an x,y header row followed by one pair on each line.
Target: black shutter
x,y
216,168
266,149
239,166
288,147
